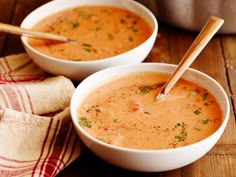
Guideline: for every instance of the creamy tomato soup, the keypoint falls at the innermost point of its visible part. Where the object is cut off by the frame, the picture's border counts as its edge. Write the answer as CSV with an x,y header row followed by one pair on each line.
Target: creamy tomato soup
x,y
101,32
124,113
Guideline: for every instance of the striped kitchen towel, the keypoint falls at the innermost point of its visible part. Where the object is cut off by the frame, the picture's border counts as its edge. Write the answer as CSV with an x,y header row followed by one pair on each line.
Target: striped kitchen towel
x,y
36,133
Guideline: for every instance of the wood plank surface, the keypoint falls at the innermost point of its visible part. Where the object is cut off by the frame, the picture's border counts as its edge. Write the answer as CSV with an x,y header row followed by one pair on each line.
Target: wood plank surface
x,y
218,60
229,48
6,9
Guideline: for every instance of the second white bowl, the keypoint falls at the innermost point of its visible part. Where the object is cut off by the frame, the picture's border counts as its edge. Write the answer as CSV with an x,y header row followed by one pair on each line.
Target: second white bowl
x,y
148,160
79,70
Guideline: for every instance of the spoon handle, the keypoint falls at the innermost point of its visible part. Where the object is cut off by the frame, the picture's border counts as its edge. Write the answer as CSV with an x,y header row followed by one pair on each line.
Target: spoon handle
x,y
31,33
208,31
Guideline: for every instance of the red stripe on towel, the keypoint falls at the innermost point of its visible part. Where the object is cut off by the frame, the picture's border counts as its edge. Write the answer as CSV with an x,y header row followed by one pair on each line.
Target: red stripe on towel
x,y
8,72
43,146
28,100
65,147
12,97
58,147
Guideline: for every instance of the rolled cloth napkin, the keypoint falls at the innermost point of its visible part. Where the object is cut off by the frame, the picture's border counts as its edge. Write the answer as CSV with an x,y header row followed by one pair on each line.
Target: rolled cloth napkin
x,y
36,133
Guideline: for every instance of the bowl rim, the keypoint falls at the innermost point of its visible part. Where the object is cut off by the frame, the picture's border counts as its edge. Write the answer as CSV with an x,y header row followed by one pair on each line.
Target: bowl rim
x,y
74,107
24,39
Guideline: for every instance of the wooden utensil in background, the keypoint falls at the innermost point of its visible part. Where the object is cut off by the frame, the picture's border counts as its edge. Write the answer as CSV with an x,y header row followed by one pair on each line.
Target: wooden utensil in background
x,y
6,28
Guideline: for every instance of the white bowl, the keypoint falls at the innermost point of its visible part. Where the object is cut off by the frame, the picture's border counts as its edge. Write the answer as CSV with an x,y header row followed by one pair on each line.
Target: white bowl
x,y
148,160
79,70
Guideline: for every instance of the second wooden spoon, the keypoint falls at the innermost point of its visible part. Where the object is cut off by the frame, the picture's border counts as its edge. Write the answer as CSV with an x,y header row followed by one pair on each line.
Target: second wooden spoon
x,y
208,31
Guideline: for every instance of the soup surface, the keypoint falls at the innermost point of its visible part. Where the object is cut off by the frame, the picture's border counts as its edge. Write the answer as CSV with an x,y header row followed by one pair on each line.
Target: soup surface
x,y
101,32
124,112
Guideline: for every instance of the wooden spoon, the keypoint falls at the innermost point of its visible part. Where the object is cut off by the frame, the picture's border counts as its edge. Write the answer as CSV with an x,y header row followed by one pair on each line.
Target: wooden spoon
x,y
208,31
32,33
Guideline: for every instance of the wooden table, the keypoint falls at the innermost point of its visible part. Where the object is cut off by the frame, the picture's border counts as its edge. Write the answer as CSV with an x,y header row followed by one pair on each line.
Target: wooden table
x,y
218,60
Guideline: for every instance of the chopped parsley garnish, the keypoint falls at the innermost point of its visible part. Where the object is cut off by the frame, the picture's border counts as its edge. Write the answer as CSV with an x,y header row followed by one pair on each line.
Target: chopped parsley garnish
x,y
74,25
99,28
205,121
114,120
204,96
202,122
147,88
183,132
197,112
110,36
198,128
86,45
85,15
128,16
83,121
143,90
145,112
131,39
87,49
